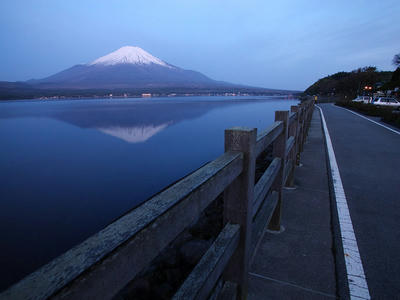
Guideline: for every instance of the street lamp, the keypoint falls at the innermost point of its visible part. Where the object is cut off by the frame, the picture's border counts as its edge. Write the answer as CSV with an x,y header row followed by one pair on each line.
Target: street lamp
x,y
367,88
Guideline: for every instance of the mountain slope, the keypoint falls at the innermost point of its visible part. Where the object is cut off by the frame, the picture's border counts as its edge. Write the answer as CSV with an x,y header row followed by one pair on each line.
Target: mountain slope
x,y
128,67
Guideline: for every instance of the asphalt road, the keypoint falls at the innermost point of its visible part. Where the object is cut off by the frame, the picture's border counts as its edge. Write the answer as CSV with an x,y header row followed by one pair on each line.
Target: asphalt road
x,y
368,157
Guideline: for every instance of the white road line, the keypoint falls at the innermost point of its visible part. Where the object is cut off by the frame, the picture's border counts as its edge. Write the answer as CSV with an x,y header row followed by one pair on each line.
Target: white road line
x,y
364,117
355,272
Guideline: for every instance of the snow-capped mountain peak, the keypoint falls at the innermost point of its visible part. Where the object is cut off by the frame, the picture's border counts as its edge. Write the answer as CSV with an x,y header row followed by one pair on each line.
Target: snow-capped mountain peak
x,y
128,67
129,55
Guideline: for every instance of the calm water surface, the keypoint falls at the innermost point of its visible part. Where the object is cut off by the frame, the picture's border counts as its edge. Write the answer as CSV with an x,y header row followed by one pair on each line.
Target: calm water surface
x,y
69,168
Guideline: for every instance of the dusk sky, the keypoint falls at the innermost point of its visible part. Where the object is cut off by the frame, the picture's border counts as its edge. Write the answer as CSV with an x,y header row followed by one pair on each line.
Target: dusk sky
x,y
272,44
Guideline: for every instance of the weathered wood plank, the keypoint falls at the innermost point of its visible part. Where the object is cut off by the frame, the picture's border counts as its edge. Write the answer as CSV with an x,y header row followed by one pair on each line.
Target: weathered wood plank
x,y
268,136
229,291
292,118
263,218
217,290
202,279
288,169
113,256
264,184
289,145
279,150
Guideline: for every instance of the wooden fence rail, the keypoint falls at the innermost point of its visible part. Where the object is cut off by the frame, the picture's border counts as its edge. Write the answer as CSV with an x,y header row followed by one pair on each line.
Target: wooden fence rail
x,y
104,263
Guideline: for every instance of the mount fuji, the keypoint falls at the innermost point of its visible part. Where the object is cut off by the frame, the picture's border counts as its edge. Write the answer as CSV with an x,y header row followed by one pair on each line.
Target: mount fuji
x,y
127,67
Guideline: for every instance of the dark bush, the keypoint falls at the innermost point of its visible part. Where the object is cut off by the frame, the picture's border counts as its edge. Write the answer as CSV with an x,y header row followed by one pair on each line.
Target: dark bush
x,y
387,114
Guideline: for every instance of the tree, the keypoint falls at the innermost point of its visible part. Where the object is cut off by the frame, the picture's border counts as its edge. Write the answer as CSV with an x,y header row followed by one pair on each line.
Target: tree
x,y
396,60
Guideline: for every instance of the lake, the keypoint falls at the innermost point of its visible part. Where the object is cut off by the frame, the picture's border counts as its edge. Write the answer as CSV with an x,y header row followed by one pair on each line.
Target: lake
x,y
70,167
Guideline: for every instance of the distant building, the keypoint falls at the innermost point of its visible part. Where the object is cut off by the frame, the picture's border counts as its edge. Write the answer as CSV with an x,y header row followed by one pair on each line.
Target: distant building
x,y
146,95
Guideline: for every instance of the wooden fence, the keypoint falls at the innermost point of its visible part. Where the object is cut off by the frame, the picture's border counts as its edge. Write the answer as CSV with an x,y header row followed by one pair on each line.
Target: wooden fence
x,y
104,263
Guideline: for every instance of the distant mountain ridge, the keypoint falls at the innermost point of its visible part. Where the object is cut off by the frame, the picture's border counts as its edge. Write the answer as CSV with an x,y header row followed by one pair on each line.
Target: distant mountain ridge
x,y
128,71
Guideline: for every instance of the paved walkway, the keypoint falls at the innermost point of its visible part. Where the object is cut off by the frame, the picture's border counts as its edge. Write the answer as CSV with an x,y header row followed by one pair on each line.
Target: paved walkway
x,y
299,262
368,158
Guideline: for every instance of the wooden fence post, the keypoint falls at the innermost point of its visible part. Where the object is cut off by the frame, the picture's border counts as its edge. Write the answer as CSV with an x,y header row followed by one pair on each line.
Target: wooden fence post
x,y
298,135
305,123
305,128
310,106
293,131
238,200
279,149
302,114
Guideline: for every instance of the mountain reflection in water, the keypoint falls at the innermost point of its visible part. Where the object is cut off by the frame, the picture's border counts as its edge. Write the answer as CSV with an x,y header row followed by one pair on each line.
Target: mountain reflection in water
x,y
137,134
133,121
